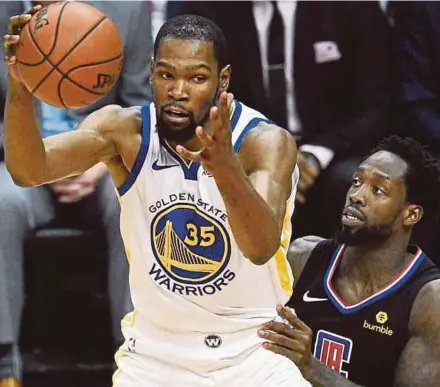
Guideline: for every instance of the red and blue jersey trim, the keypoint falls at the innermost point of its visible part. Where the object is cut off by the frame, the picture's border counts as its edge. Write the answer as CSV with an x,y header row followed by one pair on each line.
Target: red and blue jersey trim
x,y
399,280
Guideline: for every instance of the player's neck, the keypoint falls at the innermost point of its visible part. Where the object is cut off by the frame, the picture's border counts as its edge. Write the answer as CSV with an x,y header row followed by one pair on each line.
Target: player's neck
x,y
374,266
193,144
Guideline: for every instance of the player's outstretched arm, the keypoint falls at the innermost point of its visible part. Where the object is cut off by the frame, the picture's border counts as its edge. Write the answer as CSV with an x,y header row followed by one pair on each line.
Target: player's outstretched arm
x,y
419,364
32,161
293,339
254,185
268,159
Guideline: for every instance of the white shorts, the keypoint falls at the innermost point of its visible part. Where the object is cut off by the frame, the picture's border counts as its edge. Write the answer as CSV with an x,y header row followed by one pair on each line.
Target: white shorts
x,y
261,368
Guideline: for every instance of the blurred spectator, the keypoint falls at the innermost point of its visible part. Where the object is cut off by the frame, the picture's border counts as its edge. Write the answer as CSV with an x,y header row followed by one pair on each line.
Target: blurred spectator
x,y
417,30
90,196
158,15
326,77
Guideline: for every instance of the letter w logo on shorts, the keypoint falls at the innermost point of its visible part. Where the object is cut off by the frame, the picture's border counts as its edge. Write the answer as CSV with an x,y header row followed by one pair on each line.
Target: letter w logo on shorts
x,y
213,341
132,345
333,350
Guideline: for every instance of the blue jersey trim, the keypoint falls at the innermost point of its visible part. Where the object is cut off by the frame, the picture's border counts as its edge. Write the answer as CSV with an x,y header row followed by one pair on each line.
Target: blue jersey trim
x,y
140,158
251,124
351,309
189,170
236,115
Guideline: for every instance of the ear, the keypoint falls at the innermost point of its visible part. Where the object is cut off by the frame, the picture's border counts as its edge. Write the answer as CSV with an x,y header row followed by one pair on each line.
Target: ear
x,y
225,77
412,215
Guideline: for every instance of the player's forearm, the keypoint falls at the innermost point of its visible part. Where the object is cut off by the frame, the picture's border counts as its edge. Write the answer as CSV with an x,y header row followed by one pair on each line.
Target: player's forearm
x,y
253,223
322,376
24,148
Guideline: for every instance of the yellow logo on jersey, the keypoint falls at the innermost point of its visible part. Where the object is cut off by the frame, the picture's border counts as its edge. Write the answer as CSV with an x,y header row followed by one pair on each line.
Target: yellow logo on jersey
x,y
191,247
382,317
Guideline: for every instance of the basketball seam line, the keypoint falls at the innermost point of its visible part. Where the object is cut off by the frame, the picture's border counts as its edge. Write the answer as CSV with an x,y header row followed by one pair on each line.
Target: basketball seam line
x,y
45,57
55,66
66,76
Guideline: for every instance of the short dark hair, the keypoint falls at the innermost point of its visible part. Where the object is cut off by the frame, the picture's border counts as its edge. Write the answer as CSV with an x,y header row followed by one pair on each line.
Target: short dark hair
x,y
422,178
194,27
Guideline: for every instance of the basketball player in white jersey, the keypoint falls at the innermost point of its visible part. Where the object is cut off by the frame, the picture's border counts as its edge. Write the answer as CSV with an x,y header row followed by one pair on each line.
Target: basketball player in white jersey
x,y
207,188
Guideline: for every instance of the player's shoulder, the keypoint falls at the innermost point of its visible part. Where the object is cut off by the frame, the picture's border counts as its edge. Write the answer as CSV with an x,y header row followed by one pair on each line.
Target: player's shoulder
x,y
267,138
119,112
115,120
259,128
429,294
269,131
304,246
425,314
299,252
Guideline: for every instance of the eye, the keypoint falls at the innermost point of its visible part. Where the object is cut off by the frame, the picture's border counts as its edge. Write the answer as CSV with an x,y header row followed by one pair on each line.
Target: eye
x,y
378,190
199,78
166,76
356,182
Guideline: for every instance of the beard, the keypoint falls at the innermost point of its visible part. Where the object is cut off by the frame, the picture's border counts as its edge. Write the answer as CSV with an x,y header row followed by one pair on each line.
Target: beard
x,y
182,134
176,133
364,236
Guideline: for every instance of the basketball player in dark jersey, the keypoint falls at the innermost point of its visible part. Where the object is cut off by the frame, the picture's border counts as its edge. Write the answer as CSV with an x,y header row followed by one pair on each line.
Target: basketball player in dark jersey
x,y
368,303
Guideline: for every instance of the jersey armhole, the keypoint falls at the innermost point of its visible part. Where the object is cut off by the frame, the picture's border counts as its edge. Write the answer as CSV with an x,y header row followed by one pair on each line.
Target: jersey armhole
x,y
142,154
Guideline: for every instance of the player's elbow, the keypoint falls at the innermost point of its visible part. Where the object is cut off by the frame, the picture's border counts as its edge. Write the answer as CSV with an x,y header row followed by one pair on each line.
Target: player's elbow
x,y
22,179
24,182
263,254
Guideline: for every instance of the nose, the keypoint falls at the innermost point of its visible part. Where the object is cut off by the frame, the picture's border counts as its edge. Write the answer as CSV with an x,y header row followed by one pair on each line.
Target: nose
x,y
178,91
357,196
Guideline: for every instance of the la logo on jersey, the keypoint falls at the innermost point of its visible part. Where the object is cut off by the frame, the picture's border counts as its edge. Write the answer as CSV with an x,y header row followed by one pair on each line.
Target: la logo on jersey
x,y
333,350
192,250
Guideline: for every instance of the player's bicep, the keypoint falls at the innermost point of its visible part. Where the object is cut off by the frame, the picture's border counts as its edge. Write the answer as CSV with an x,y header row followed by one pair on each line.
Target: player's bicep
x,y
74,152
271,191
269,157
419,365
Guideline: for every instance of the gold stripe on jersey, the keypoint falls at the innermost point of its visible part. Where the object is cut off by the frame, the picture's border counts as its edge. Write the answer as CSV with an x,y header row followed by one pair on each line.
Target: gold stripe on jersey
x,y
129,320
118,357
282,264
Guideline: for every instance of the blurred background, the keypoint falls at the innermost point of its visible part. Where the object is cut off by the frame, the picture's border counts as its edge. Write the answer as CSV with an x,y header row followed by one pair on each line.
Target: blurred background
x,y
338,75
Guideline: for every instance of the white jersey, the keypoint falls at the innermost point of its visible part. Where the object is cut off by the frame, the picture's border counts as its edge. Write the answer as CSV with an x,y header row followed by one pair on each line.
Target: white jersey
x,y
187,274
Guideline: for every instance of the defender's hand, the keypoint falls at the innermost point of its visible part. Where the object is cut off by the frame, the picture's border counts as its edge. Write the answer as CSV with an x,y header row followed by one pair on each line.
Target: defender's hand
x,y
217,147
292,339
10,41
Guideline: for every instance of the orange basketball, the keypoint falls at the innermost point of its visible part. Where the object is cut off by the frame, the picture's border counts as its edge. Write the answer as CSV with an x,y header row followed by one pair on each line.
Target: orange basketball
x,y
69,55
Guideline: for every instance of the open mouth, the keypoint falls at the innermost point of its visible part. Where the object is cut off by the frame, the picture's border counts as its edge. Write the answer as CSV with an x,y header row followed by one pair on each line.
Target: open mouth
x,y
176,113
351,216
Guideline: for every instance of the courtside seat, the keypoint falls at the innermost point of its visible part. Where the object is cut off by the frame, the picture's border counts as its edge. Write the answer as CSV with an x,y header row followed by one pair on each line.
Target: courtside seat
x,y
66,325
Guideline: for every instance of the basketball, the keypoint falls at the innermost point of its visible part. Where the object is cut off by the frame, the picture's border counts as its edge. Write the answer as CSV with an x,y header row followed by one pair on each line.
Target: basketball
x,y
70,54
